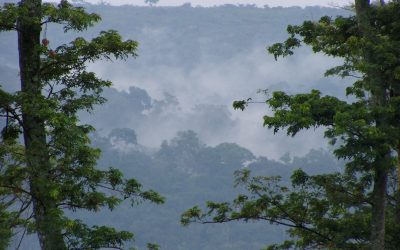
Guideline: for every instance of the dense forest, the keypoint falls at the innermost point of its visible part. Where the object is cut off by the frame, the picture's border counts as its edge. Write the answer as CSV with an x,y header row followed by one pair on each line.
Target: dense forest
x,y
193,63
168,122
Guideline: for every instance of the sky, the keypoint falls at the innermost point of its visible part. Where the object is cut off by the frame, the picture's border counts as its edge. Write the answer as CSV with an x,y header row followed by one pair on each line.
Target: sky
x,y
208,3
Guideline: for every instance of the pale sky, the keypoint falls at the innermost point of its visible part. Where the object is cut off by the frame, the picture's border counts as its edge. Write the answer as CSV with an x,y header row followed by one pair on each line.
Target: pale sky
x,y
260,3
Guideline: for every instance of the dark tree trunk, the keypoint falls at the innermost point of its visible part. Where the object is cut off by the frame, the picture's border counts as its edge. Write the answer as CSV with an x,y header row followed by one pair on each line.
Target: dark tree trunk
x,y
378,209
46,213
397,196
379,98
398,169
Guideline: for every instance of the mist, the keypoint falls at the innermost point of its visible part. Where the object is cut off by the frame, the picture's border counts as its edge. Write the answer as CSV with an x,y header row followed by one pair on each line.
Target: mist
x,y
169,120
192,81
210,3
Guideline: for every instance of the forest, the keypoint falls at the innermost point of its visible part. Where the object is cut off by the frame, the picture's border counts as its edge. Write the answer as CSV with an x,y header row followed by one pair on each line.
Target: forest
x,y
227,127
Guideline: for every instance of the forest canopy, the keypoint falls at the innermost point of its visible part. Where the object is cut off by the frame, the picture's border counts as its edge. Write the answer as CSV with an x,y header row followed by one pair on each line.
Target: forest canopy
x,y
357,208
169,123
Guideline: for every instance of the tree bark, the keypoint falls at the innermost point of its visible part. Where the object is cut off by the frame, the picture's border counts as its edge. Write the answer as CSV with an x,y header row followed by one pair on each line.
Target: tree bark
x,y
378,98
378,209
398,186
362,7
398,167
46,213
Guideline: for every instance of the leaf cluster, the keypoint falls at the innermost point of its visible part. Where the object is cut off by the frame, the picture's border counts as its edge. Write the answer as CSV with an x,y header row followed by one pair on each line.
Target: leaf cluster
x,y
322,211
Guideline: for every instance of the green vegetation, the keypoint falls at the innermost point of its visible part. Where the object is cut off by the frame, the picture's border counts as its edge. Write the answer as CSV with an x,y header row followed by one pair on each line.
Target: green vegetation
x,y
54,169
187,171
357,208
151,2
325,204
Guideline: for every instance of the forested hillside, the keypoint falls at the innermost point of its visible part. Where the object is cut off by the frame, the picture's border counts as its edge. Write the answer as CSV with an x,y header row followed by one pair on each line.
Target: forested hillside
x,y
193,62
169,123
188,172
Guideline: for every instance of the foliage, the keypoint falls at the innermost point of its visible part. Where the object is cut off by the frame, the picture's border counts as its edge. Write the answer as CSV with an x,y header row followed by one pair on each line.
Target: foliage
x,y
186,177
191,175
68,178
231,32
125,134
323,211
151,2
151,246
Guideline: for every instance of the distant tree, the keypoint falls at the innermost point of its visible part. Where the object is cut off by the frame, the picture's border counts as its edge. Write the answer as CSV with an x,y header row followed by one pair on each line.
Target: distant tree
x,y
185,141
125,134
54,170
286,158
79,1
151,2
359,208
231,154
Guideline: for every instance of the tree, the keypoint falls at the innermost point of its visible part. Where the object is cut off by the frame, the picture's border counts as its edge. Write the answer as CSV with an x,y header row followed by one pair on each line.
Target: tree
x,y
54,170
151,2
125,134
358,208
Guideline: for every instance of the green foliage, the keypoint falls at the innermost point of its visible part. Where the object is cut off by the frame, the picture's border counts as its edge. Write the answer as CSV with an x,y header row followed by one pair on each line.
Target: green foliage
x,y
151,2
240,104
80,236
322,211
193,175
342,210
68,179
301,111
232,33
151,246
72,18
8,16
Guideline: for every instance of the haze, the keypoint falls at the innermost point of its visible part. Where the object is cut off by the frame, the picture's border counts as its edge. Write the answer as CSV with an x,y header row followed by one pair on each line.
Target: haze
x,y
208,3
169,121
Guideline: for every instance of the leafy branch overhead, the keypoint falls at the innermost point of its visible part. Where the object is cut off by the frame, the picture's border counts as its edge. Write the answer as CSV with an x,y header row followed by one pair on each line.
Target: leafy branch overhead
x,y
315,208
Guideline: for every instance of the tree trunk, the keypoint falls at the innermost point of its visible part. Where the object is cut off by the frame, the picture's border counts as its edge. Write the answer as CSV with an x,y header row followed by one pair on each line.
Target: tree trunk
x,y
378,98
398,168
398,186
45,211
378,209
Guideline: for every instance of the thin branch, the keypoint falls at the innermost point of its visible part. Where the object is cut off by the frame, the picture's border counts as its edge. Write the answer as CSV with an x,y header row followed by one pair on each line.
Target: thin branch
x,y
20,240
13,28
276,204
358,77
272,221
14,114
24,207
45,22
8,202
51,86
255,102
19,189
71,206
